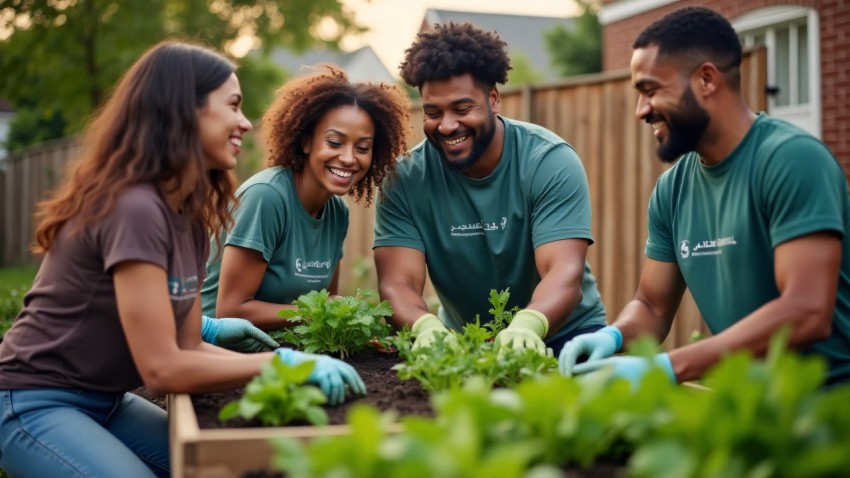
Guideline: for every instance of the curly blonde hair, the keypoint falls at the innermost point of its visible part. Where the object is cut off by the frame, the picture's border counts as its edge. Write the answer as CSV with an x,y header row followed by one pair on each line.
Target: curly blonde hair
x,y
301,103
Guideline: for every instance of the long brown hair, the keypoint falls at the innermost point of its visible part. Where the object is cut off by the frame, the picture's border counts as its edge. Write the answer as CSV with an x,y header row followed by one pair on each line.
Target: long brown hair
x,y
147,132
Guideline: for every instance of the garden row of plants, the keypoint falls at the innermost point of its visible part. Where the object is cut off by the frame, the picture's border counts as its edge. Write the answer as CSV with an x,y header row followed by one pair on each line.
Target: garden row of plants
x,y
765,418
505,413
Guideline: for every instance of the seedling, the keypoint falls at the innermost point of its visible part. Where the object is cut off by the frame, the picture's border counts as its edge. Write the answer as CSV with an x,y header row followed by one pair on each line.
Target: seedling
x,y
339,325
445,365
278,396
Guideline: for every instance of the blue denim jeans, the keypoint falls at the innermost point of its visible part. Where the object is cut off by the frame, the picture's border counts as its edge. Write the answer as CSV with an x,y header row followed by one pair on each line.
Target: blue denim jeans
x,y
78,433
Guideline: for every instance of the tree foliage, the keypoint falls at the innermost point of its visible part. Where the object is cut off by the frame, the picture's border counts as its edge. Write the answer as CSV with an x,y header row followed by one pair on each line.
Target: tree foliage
x,y
63,56
522,70
578,50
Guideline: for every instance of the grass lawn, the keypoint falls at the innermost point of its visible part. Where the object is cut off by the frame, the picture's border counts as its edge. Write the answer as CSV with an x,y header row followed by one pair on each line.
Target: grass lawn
x,y
15,277
14,282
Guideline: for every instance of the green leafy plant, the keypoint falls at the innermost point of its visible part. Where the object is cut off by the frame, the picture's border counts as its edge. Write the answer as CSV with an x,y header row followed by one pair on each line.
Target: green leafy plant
x,y
341,325
445,365
761,418
278,396
501,317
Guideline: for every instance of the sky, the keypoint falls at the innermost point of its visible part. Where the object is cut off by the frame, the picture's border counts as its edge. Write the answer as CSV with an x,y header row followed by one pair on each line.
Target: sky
x,y
393,24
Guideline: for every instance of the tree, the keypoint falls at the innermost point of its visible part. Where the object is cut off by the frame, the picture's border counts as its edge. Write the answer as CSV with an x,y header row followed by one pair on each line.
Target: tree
x,y
62,56
522,72
578,50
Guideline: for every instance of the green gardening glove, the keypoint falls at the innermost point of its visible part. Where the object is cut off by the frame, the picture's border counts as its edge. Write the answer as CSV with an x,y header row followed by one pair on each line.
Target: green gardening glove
x,y
236,334
427,328
526,331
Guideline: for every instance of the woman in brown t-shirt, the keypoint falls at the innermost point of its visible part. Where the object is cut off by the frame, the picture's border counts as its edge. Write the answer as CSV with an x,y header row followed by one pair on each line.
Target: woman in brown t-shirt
x,y
115,303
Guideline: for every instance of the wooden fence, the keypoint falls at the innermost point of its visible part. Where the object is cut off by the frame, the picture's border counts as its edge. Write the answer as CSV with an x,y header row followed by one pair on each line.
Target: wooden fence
x,y
593,113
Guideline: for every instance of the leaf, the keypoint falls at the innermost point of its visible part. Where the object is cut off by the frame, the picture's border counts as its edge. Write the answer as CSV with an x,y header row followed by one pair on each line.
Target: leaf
x,y
316,415
342,325
249,409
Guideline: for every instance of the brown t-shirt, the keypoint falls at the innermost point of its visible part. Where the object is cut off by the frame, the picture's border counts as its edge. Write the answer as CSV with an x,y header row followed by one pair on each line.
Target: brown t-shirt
x,y
69,334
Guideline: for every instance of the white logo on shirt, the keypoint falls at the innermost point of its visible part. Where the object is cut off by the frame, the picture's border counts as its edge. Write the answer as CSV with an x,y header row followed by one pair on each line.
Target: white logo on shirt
x,y
478,228
182,288
312,271
706,248
302,265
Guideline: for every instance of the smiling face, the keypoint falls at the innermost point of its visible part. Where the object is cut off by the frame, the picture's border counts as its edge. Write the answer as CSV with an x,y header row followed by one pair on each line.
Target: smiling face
x,y
667,102
459,119
221,125
339,152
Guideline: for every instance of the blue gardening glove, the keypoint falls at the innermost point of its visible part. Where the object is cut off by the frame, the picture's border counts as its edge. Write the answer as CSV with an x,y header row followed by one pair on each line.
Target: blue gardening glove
x,y
628,367
236,334
526,331
331,375
427,328
603,343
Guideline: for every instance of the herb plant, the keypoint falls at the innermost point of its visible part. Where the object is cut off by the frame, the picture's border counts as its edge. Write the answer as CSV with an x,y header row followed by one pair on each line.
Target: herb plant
x,y
341,325
446,365
767,418
278,396
501,317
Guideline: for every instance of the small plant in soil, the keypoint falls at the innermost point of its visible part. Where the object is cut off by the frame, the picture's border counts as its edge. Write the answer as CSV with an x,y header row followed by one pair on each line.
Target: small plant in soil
x,y
445,365
340,326
278,395
760,418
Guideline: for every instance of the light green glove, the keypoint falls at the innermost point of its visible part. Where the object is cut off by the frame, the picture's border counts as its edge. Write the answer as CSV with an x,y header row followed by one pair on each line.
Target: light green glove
x,y
427,328
236,334
526,331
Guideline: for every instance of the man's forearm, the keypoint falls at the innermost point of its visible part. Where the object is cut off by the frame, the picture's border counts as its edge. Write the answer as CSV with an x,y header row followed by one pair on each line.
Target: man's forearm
x,y
637,320
753,333
556,298
408,305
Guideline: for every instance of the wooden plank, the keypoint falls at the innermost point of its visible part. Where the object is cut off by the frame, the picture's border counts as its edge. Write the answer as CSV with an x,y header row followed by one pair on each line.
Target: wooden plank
x,y
223,452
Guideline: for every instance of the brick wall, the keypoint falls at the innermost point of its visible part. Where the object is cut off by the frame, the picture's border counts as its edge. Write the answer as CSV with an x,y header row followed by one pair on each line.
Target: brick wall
x,y
834,17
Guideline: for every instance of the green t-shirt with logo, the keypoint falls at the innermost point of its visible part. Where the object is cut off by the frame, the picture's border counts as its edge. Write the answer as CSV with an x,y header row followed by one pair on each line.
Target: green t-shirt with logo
x,y
302,251
721,224
480,234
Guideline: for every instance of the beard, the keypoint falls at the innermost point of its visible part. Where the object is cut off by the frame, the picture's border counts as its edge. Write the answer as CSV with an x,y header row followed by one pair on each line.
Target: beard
x,y
685,128
482,142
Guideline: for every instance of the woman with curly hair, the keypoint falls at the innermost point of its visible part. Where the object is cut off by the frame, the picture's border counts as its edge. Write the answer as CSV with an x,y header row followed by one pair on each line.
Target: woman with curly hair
x,y
325,137
115,303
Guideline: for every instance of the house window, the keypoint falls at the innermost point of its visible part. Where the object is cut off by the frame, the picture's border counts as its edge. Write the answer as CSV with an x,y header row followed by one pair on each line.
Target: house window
x,y
790,35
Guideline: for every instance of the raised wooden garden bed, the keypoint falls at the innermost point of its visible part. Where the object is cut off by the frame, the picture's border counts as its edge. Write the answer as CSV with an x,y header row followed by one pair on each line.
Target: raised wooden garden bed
x,y
202,447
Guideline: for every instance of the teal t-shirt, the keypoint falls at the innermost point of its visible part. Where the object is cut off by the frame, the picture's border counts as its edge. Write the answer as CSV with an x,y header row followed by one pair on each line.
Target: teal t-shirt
x,y
721,224
302,251
480,234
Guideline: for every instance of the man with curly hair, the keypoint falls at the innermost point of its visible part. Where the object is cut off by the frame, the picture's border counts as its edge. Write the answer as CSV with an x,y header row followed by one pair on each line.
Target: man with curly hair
x,y
485,203
753,219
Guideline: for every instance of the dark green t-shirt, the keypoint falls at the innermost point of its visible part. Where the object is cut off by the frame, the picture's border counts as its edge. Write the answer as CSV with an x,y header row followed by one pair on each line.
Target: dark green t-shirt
x,y
721,224
302,251
480,234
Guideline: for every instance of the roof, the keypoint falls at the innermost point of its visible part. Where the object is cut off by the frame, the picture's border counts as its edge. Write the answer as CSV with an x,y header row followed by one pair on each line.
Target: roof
x,y
522,33
360,65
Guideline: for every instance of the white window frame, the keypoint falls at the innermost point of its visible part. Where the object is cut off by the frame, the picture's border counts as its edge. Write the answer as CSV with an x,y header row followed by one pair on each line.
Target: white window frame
x,y
776,16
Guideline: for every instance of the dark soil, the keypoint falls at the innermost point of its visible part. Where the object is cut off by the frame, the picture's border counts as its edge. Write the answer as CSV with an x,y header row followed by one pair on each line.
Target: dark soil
x,y
385,391
158,400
